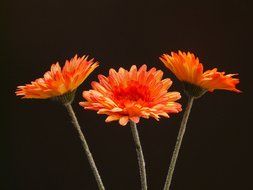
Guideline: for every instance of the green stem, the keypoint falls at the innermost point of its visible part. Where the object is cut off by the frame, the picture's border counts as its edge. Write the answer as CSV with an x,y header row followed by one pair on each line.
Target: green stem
x,y
140,156
85,146
178,143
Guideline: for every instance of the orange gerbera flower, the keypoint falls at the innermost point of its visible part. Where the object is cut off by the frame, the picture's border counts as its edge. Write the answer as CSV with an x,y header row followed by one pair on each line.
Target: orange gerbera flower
x,y
129,95
188,69
57,81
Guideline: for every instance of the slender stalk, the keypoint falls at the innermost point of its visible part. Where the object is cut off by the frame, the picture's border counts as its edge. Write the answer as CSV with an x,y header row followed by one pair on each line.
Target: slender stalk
x,y
85,146
140,156
178,143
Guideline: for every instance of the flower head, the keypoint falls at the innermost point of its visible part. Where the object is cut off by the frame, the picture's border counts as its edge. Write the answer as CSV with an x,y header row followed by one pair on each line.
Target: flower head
x,y
129,95
57,81
188,69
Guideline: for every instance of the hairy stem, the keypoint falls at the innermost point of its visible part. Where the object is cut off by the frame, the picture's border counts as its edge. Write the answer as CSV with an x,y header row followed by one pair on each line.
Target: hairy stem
x,y
178,143
140,156
85,146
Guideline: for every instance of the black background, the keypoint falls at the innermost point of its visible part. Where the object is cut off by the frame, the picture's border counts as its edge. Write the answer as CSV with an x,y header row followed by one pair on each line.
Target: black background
x,y
42,151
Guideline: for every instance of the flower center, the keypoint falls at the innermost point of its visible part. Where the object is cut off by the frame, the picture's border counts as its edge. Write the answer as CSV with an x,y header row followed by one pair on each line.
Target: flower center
x,y
132,92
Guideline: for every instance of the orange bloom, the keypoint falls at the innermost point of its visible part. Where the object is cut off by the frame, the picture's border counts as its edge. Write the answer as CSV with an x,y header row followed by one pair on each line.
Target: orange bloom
x,y
59,81
129,95
187,68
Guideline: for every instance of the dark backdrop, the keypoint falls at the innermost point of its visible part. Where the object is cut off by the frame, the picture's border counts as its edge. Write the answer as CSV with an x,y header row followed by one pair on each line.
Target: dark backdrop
x,y
42,151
